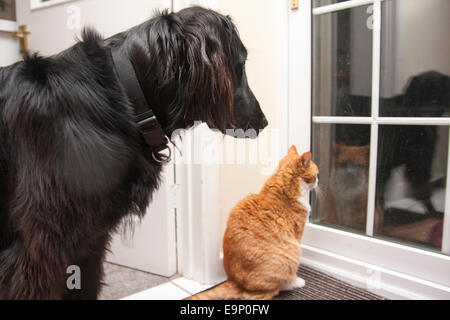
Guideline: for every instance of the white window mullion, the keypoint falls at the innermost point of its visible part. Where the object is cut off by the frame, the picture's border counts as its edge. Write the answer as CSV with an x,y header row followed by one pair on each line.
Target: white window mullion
x,y
341,6
342,120
417,121
446,225
397,121
370,217
376,58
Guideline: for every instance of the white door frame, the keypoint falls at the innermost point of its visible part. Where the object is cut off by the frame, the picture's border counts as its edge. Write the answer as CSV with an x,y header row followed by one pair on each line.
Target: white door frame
x,y
197,209
384,267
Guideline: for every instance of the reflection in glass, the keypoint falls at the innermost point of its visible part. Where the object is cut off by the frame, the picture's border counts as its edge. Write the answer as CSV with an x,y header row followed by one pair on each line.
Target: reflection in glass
x,y
342,64
411,178
344,179
415,58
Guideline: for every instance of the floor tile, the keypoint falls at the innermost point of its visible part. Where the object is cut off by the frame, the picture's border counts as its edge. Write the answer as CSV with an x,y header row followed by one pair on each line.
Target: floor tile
x,y
166,291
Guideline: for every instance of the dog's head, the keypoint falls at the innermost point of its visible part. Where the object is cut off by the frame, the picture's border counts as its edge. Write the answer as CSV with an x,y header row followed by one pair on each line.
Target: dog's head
x,y
202,64
213,46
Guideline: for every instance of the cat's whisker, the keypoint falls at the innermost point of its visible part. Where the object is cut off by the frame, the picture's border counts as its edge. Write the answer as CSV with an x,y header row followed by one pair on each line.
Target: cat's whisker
x,y
319,192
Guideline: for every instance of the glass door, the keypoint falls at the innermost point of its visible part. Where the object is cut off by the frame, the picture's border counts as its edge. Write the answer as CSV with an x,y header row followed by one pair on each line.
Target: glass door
x,y
381,102
380,110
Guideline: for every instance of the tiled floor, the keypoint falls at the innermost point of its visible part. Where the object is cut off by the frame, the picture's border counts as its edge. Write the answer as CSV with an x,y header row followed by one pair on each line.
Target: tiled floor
x,y
121,282
176,289
129,284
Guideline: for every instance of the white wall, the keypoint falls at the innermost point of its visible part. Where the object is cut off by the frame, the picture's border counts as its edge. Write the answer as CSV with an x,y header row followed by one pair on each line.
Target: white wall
x,y
54,29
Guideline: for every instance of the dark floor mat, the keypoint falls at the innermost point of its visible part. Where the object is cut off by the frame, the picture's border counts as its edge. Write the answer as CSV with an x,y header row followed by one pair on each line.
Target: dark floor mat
x,y
320,286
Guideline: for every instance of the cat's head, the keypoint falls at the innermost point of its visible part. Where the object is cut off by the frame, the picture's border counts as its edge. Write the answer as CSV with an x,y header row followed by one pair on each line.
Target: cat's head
x,y
353,160
358,155
302,167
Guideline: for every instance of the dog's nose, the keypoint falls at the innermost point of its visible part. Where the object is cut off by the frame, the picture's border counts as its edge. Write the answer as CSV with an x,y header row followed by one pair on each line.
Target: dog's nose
x,y
264,123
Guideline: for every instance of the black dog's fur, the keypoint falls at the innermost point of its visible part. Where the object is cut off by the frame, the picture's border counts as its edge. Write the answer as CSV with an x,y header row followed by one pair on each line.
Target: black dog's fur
x,y
72,161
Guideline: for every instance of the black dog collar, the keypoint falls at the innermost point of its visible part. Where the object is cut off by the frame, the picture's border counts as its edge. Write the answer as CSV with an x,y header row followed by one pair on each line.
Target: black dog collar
x,y
148,125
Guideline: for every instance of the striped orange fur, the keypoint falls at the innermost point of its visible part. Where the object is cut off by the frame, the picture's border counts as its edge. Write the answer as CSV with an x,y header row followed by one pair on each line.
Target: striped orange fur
x,y
261,244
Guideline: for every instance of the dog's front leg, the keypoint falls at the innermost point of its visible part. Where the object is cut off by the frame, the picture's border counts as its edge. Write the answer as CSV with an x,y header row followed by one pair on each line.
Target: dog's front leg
x,y
91,271
26,274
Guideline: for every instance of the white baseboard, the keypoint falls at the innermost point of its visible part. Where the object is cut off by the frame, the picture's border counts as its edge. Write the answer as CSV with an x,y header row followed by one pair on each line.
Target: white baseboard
x,y
381,281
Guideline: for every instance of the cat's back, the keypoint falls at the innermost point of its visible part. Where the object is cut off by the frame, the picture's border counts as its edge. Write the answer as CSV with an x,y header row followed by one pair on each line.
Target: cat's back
x,y
250,209
258,239
257,217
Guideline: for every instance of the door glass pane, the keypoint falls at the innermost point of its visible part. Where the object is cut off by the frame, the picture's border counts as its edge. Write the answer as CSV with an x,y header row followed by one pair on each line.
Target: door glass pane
x,y
411,183
342,63
342,201
8,10
415,58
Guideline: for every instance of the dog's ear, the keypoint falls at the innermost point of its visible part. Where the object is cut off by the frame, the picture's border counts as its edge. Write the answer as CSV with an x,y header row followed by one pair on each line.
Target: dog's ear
x,y
189,56
211,74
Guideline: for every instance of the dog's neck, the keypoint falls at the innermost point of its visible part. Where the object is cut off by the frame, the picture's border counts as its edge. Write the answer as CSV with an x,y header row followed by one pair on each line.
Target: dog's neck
x,y
146,120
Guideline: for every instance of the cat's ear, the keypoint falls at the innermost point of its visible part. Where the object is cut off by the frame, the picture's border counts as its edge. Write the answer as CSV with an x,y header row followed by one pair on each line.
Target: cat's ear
x,y
305,159
293,150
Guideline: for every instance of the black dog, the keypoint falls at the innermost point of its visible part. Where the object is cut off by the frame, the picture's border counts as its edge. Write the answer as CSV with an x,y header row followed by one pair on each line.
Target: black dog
x,y
73,162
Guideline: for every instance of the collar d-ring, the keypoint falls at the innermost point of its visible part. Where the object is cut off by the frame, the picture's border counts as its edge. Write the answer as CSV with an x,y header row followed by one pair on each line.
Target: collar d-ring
x,y
163,158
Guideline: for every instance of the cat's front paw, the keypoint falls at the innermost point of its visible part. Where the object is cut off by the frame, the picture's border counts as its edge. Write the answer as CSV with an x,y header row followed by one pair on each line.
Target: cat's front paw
x,y
296,283
299,283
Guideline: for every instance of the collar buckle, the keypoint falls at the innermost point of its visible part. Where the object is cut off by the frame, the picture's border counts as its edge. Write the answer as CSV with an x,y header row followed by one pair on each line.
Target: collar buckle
x,y
154,136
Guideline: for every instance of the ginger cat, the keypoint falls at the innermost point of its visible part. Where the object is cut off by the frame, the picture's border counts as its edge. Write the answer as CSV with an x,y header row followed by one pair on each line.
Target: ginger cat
x,y
261,245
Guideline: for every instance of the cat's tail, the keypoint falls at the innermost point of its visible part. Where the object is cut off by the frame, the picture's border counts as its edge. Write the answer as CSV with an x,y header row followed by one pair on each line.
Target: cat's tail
x,y
229,290
224,291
